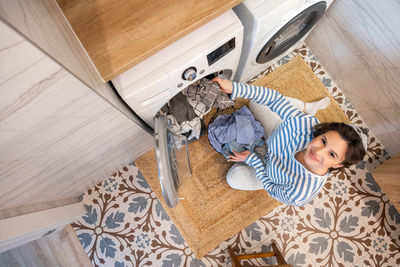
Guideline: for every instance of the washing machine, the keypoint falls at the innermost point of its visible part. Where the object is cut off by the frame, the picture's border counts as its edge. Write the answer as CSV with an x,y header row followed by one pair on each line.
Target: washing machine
x,y
213,49
271,27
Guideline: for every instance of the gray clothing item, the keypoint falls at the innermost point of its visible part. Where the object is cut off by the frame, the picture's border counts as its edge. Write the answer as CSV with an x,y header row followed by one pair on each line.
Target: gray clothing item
x,y
240,126
181,117
204,95
180,108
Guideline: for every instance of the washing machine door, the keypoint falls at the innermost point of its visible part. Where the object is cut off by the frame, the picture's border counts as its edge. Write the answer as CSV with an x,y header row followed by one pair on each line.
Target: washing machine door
x,y
291,32
173,163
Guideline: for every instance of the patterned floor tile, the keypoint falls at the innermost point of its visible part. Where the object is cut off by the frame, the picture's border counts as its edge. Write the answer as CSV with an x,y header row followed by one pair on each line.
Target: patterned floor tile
x,y
393,222
367,261
381,250
255,234
141,203
105,231
395,260
123,261
170,248
285,219
333,234
293,251
376,210
111,184
395,234
135,259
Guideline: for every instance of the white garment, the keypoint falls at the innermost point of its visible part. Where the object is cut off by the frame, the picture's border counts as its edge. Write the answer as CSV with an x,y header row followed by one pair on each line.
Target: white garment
x,y
243,177
186,126
269,119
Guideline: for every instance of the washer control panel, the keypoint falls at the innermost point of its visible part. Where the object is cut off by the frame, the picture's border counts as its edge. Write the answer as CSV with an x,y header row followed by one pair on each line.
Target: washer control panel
x,y
221,51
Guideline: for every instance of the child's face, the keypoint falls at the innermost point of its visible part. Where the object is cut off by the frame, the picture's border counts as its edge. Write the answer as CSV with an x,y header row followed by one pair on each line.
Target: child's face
x,y
325,151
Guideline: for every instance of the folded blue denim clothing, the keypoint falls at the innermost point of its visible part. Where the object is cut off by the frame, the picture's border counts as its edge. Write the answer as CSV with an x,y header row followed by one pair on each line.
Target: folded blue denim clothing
x,y
240,126
234,146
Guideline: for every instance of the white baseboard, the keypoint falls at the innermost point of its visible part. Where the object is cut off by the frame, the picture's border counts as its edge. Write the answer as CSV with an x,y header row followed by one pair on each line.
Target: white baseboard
x,y
22,229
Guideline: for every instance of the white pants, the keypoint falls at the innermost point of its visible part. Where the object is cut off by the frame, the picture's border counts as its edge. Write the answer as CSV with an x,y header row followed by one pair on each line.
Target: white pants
x,y
243,177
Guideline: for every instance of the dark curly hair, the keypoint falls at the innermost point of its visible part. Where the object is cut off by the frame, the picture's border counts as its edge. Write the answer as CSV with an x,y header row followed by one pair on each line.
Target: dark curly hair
x,y
355,151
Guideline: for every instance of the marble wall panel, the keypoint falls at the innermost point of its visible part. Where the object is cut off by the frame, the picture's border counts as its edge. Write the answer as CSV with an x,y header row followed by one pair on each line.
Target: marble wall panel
x,y
43,23
57,136
358,43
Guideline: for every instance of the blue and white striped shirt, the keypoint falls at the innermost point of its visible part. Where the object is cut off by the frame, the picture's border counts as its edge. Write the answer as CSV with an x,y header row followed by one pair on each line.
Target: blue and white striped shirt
x,y
283,177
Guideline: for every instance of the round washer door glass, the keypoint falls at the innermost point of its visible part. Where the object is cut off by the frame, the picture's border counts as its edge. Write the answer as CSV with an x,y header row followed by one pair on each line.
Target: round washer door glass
x,y
293,31
172,156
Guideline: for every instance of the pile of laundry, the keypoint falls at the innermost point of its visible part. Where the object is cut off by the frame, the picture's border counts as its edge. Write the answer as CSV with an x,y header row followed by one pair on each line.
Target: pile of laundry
x,y
186,109
237,132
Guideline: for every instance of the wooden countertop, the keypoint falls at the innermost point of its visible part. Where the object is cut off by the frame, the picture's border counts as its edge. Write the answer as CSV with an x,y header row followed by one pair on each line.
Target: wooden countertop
x,y
119,34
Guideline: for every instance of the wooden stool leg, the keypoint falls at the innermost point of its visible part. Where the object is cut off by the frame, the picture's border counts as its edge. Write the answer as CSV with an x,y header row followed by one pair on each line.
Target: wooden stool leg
x,y
256,255
275,253
278,255
235,261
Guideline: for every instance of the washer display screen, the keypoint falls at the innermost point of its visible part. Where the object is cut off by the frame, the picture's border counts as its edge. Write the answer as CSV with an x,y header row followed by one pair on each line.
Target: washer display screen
x,y
220,51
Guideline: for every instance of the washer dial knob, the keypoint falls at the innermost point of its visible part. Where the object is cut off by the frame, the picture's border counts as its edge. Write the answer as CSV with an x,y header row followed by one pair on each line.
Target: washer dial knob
x,y
189,74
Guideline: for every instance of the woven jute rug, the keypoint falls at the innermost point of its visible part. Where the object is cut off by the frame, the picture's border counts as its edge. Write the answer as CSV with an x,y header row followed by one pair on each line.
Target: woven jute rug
x,y
296,79
210,211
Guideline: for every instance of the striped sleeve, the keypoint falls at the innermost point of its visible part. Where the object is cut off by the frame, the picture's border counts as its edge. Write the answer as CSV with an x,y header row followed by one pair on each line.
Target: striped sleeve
x,y
267,97
277,191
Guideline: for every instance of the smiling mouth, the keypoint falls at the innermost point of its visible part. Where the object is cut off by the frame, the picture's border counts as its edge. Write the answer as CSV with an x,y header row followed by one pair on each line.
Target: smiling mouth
x,y
313,157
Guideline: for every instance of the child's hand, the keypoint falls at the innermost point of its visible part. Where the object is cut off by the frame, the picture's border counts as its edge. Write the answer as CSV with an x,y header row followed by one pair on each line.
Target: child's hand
x,y
238,157
226,85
